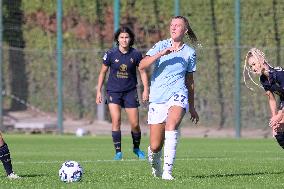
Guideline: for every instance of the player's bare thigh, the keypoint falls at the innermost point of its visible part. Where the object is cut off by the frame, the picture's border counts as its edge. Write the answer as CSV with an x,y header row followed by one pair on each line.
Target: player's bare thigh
x,y
175,115
115,113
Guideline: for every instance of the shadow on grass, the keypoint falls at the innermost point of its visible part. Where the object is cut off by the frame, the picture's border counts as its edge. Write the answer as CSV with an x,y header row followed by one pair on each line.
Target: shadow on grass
x,y
29,175
237,174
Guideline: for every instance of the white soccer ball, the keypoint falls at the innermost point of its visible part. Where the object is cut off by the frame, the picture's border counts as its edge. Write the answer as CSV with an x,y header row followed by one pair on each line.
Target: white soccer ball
x,y
70,171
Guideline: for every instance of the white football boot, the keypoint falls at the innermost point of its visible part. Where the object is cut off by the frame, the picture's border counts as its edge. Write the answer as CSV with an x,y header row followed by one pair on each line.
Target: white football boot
x,y
13,176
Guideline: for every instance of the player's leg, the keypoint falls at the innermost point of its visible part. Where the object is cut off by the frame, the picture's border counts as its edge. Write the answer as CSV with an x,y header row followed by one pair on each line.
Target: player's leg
x,y
6,159
115,113
131,104
133,117
157,135
175,115
279,133
114,101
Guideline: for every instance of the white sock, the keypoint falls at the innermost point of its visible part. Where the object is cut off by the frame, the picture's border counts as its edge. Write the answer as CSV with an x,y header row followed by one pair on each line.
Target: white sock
x,y
171,140
154,158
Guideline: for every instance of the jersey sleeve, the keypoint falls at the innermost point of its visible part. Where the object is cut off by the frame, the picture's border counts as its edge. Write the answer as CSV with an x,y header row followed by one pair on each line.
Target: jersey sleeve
x,y
106,59
280,78
154,50
192,63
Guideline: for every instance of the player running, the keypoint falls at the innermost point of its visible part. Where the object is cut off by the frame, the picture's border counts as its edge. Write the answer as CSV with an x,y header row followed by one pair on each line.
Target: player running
x,y
121,88
171,93
272,81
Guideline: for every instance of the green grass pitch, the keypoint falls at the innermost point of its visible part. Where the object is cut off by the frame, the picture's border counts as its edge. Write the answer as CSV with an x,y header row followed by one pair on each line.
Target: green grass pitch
x,y
200,163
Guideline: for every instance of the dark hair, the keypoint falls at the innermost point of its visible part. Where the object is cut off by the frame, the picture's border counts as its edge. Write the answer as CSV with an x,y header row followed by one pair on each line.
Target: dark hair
x,y
191,35
125,29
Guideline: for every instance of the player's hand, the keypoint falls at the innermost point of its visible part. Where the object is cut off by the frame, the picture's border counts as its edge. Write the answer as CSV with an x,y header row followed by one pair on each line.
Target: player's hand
x,y
99,98
194,115
167,51
275,120
145,96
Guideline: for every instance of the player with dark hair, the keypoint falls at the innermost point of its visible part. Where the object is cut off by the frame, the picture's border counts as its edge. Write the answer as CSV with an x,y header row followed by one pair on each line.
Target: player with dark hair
x,y
6,159
121,88
272,81
171,93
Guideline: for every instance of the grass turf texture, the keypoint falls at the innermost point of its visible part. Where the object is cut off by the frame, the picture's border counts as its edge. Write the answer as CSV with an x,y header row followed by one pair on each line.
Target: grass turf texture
x,y
200,163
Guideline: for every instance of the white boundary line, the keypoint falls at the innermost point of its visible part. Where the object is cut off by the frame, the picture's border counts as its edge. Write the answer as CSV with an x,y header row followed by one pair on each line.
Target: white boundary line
x,y
136,160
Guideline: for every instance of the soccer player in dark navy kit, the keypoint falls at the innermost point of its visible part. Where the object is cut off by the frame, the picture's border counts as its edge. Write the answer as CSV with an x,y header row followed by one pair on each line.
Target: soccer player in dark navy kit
x,y
272,81
6,159
121,90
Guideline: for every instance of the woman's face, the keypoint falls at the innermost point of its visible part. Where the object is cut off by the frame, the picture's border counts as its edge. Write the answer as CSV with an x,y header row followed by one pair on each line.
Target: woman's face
x,y
177,29
123,40
255,66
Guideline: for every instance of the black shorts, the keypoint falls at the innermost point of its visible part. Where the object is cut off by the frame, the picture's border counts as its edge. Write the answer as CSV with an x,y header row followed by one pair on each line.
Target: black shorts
x,y
127,99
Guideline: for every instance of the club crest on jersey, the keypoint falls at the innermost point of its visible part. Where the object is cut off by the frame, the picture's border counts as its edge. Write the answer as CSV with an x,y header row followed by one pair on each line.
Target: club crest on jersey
x,y
123,68
131,60
116,60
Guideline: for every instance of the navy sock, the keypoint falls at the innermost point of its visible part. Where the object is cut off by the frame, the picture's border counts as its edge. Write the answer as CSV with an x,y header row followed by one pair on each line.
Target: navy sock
x,y
136,138
5,158
116,138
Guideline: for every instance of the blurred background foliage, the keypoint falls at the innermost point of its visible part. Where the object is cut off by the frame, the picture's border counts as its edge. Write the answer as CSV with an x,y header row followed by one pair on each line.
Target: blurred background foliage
x,y
30,51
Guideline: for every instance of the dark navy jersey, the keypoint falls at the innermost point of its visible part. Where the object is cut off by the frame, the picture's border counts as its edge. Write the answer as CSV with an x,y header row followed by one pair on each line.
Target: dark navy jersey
x,y
122,75
275,82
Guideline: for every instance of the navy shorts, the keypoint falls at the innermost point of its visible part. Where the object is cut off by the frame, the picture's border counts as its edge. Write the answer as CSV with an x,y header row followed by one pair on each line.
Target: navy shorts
x,y
127,99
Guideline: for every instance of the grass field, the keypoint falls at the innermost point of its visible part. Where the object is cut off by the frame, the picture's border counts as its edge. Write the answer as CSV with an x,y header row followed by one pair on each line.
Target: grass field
x,y
200,163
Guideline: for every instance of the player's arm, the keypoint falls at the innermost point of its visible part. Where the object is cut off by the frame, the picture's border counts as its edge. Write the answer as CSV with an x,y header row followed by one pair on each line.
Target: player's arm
x,y
276,116
144,79
101,79
272,103
147,61
189,82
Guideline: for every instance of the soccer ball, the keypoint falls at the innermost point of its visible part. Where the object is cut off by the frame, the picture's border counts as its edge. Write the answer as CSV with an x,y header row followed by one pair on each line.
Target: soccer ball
x,y
70,171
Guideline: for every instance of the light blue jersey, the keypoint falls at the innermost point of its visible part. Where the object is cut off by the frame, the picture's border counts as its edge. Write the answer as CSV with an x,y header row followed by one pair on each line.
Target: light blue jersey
x,y
168,76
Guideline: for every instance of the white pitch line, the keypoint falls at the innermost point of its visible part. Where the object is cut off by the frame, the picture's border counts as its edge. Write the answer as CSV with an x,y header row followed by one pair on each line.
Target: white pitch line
x,y
136,160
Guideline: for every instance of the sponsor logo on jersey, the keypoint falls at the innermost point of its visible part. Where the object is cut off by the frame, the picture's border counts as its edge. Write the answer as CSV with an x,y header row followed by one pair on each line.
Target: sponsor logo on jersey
x,y
116,60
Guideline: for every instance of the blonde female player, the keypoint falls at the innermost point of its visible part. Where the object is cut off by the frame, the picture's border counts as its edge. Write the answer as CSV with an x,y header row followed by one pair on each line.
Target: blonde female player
x,y
171,93
272,81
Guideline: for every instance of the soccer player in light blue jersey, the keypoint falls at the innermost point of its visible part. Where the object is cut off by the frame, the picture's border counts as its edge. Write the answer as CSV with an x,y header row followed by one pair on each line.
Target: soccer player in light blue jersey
x,y
171,93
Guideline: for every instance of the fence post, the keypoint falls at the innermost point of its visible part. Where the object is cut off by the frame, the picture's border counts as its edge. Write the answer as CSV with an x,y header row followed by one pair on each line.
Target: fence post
x,y
59,67
237,69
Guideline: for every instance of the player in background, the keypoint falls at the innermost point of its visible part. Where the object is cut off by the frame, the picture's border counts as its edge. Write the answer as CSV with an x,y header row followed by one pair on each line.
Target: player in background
x,y
171,93
122,61
6,159
272,81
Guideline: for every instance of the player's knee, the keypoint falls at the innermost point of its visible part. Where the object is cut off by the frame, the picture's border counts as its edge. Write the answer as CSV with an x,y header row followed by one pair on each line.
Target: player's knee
x,y
155,148
135,127
280,139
